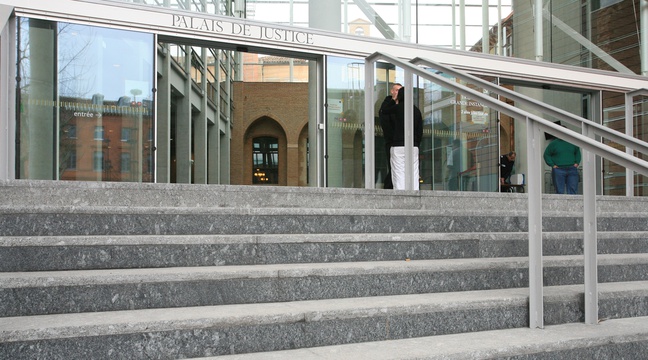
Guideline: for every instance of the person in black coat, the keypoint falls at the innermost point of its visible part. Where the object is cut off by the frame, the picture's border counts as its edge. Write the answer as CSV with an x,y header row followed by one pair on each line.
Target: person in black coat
x,y
386,122
397,158
506,165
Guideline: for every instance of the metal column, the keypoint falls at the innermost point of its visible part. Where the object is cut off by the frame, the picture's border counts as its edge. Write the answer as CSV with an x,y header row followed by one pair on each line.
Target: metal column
x,y
408,84
536,311
538,31
589,232
370,156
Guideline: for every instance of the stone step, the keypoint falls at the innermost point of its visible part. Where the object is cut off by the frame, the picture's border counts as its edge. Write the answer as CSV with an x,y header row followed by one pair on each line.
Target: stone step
x,y
149,221
612,339
228,329
45,208
151,251
46,220
35,293
35,194
42,194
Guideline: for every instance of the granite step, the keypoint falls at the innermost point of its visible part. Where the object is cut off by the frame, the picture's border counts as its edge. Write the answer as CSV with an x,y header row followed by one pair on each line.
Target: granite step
x,y
64,221
47,253
36,194
234,329
46,208
34,293
131,220
612,339
39,195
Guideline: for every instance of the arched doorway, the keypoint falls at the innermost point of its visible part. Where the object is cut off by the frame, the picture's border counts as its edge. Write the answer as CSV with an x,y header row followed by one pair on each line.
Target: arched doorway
x,y
264,154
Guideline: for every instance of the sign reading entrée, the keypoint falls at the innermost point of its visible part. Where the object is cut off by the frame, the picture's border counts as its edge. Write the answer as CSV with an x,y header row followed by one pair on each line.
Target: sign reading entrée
x,y
247,30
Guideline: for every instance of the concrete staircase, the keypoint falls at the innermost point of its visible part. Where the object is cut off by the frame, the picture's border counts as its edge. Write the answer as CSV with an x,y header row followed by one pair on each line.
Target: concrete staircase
x,y
139,271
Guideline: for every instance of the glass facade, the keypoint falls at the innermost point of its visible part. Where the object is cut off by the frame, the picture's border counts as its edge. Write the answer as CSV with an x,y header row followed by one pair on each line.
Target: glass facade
x,y
345,125
80,89
105,104
594,34
460,150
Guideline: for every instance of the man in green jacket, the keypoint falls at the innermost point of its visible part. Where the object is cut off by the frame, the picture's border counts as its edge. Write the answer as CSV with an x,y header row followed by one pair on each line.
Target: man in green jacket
x,y
564,159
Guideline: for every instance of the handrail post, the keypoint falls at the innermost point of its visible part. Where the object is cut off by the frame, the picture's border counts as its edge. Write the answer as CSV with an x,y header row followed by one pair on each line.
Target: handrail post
x,y
589,232
629,127
369,126
408,84
536,311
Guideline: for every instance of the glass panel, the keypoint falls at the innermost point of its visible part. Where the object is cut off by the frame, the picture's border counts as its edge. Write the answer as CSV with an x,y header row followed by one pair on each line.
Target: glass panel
x,y
602,34
178,54
105,81
345,122
596,34
459,151
197,67
385,89
205,6
287,12
614,175
36,123
640,131
574,102
432,22
224,141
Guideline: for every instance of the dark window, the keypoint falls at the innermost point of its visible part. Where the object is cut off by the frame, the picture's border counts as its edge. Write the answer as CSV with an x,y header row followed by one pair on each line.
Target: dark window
x,y
72,159
125,162
72,132
98,164
265,160
599,4
99,133
125,134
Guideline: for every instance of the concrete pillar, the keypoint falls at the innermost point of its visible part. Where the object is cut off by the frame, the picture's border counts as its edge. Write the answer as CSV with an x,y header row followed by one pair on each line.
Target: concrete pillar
x,y
213,152
200,132
7,89
183,146
163,100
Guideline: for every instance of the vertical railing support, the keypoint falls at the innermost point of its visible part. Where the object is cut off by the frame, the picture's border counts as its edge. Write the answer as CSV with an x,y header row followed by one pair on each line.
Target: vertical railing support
x,y
629,126
408,84
589,232
536,311
369,126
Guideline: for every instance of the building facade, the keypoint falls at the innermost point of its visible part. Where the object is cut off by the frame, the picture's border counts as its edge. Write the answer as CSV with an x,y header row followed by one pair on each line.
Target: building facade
x,y
273,92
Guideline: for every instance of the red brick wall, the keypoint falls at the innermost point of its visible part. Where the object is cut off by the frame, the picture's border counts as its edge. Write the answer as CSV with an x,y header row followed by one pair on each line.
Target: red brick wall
x,y
269,109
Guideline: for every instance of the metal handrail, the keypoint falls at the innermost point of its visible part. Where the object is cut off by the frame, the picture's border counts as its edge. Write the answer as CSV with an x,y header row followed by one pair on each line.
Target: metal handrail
x,y
536,125
603,150
560,114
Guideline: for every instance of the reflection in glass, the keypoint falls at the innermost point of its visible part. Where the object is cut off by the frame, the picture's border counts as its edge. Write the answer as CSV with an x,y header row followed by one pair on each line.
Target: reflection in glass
x,y
80,88
640,122
576,103
345,122
459,151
